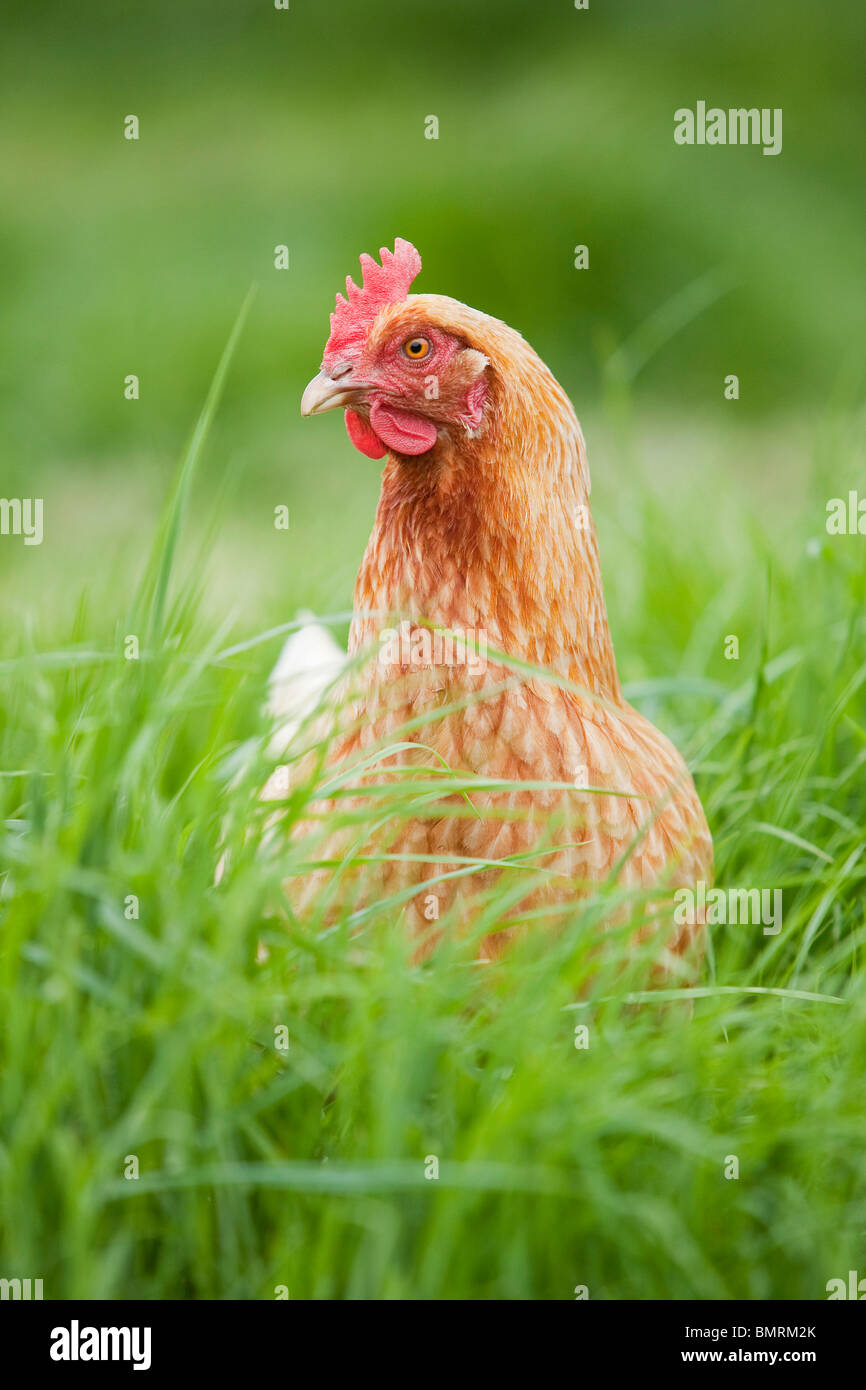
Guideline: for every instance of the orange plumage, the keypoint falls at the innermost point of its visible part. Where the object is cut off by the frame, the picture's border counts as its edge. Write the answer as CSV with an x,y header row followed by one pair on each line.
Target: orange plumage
x,y
483,525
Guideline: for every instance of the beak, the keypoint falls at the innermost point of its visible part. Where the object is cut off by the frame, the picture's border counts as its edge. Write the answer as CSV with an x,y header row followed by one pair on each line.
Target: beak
x,y
324,393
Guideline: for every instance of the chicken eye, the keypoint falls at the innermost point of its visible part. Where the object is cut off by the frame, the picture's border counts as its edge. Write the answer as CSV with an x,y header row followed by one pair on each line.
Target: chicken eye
x,y
417,348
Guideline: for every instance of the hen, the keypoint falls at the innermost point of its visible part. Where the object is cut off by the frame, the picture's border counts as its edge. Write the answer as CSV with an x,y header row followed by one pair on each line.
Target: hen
x,y
483,530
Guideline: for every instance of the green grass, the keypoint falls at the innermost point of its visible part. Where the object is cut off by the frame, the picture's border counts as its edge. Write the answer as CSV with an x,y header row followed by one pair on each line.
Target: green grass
x,y
139,1022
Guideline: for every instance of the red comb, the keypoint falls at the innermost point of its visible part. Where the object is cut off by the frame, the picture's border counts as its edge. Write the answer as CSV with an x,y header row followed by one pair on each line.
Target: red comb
x,y
383,284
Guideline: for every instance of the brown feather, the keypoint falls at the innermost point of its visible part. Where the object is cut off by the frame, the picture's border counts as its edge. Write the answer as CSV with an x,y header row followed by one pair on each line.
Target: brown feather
x,y
492,530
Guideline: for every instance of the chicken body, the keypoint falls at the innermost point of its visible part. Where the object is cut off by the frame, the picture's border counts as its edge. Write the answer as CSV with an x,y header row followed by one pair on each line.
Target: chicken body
x,y
489,531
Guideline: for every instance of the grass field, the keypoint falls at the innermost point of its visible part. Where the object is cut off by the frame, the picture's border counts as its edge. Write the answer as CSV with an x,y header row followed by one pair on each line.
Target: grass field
x,y
157,1140
187,1115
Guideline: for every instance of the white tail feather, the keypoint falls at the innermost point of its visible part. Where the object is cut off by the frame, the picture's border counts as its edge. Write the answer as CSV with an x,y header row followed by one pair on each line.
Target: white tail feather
x,y
310,661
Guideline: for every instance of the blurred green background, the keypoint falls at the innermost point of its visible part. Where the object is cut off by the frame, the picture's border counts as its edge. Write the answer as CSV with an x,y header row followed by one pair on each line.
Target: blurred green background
x,y
306,127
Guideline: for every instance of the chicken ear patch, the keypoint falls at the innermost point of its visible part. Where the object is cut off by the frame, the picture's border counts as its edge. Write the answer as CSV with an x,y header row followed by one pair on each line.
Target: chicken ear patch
x,y
472,365
401,429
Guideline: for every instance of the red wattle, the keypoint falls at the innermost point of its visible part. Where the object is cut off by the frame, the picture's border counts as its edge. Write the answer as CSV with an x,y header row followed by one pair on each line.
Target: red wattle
x,y
363,437
401,430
